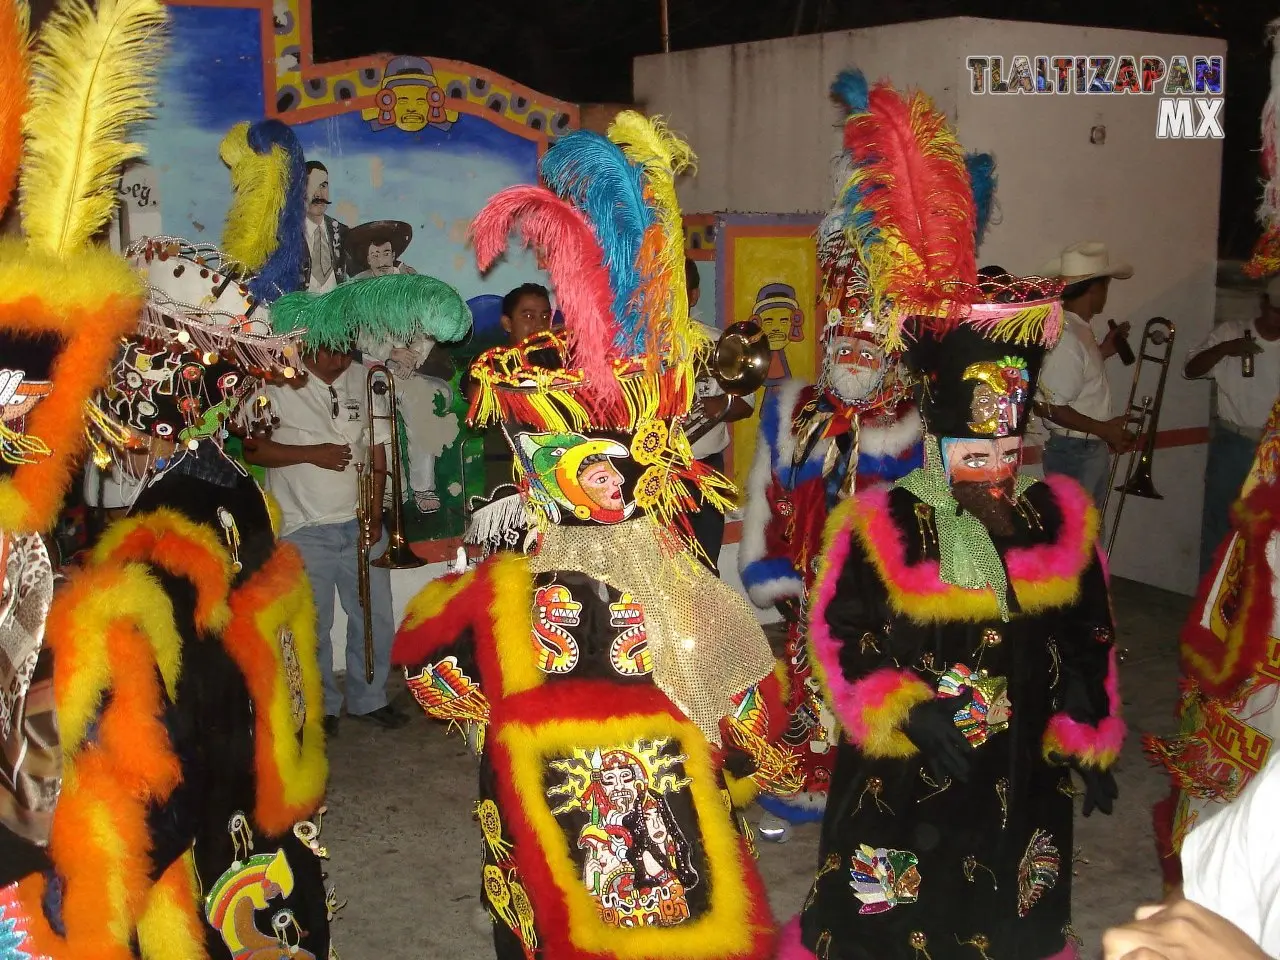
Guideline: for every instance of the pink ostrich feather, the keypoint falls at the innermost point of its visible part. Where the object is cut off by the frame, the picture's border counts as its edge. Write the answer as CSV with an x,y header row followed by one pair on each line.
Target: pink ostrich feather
x,y
576,264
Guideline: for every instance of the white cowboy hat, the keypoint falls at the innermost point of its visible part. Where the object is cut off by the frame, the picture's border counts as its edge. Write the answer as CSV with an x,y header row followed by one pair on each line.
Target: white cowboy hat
x,y
1085,261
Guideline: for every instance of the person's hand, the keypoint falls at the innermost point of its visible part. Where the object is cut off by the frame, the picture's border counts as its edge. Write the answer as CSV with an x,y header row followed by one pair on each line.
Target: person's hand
x,y
1182,930
1107,346
931,726
713,408
1239,347
1100,790
331,456
404,358
1117,435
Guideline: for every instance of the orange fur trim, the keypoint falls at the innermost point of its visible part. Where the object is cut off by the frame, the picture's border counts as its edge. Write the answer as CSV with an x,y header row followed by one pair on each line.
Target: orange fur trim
x,y
290,774
179,546
13,67
90,304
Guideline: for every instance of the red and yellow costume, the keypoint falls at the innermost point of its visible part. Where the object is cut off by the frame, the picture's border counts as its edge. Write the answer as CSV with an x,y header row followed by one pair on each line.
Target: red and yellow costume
x,y
608,677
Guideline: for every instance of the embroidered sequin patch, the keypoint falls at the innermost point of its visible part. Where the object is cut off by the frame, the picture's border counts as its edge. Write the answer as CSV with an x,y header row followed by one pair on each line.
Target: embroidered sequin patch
x,y
883,879
1038,870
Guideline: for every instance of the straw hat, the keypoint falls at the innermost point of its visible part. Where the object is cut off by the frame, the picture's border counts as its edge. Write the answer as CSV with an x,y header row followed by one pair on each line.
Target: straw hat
x,y
1085,261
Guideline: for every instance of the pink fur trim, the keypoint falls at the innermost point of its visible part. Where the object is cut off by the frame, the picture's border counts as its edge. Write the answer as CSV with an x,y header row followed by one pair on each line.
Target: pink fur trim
x,y
790,946
1066,558
1084,741
1068,952
863,700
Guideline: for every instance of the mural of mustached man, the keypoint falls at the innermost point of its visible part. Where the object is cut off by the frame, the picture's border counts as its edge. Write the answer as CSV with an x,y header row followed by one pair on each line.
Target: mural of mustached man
x,y
422,369
324,263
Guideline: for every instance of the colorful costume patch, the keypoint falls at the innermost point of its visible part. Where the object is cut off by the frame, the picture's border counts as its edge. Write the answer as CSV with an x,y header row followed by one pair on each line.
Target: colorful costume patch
x,y
883,879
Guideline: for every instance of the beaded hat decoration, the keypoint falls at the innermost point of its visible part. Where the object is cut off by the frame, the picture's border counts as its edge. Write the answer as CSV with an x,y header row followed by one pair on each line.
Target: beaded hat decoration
x,y
204,347
64,300
622,368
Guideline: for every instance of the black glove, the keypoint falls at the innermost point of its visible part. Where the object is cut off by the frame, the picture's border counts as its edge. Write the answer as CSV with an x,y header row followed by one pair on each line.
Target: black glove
x,y
932,728
1100,789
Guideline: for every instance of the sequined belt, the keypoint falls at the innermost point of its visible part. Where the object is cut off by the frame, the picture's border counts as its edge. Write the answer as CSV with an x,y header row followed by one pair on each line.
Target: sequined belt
x,y
707,644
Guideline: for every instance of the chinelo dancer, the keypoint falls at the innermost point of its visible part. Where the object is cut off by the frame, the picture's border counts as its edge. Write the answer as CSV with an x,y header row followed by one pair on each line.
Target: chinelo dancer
x,y
856,427
960,621
619,690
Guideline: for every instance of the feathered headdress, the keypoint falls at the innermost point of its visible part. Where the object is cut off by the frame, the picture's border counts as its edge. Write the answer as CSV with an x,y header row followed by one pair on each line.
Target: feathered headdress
x,y
398,307
909,204
91,76
264,228
1266,252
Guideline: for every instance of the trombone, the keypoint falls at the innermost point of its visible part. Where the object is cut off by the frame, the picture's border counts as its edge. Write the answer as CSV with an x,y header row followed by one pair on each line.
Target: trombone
x,y
398,555
1156,347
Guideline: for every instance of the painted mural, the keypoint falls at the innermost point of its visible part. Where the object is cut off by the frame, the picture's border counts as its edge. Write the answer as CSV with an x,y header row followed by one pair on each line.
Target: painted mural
x,y
766,271
402,152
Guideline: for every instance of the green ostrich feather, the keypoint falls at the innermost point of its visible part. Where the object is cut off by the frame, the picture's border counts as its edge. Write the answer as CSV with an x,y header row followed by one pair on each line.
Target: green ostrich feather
x,y
397,307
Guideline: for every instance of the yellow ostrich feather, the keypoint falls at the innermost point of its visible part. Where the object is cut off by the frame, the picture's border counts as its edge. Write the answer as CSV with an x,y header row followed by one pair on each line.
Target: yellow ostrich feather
x,y
260,188
90,82
648,142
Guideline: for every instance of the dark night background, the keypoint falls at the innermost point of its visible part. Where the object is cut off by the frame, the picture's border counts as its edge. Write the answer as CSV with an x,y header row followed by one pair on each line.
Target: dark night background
x,y
581,50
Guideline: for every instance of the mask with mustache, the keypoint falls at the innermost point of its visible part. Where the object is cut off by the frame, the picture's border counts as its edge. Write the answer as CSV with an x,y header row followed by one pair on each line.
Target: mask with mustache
x,y
990,501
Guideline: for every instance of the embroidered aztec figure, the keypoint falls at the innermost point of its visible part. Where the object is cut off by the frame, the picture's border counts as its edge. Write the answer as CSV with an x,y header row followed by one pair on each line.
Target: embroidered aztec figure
x,y
635,858
629,652
246,889
577,474
554,610
988,711
998,396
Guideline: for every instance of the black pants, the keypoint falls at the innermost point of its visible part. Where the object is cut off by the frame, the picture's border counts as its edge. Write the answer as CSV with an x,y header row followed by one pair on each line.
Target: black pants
x,y
708,522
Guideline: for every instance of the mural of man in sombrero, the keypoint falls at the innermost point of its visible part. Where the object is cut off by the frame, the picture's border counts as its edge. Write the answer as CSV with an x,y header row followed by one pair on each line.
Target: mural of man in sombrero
x,y
779,315
422,369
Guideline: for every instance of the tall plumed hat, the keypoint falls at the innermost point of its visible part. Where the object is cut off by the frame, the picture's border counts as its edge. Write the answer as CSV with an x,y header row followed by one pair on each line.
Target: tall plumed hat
x,y
914,207
620,374
64,300
399,307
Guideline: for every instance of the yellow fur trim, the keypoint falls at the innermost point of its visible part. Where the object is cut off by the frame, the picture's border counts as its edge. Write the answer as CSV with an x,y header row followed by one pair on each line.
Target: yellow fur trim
x,y
273,511
100,598
90,87
512,629
431,601
742,790
724,929
170,927
884,737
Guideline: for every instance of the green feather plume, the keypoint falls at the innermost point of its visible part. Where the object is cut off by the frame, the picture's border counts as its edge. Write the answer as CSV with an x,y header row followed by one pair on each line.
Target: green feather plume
x,y
397,307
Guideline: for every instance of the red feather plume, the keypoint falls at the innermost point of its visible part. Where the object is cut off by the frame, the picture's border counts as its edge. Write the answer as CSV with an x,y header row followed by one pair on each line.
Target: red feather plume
x,y
913,204
576,264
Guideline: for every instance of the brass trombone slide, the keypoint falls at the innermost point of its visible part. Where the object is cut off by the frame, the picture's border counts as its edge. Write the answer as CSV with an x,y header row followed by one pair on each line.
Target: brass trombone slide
x,y
1156,347
398,556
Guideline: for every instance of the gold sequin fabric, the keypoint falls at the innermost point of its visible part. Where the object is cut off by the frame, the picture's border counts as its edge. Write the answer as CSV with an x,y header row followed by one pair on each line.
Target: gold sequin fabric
x,y
707,644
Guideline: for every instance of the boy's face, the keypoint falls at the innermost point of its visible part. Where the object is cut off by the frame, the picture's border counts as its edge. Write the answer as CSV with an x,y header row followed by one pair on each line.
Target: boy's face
x,y
327,364
532,313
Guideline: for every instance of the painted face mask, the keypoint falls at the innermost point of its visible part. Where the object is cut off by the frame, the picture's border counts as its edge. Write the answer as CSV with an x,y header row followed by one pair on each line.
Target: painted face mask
x,y
855,367
982,474
577,474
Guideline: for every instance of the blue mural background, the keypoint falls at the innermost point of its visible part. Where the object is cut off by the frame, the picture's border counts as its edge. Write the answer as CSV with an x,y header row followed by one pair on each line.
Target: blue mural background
x,y
434,180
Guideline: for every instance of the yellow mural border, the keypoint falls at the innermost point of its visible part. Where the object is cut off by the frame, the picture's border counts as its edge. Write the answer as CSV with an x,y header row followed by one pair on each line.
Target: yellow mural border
x,y
296,89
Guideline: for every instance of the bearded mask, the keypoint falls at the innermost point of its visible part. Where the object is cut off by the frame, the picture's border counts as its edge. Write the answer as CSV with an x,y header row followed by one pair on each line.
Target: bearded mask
x,y
855,367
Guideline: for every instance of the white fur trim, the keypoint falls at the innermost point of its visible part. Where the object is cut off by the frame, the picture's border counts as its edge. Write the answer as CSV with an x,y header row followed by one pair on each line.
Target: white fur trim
x,y
757,510
894,439
768,592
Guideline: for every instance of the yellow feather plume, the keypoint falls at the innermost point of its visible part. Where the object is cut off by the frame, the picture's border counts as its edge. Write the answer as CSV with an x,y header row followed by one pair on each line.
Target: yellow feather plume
x,y
260,188
664,156
91,80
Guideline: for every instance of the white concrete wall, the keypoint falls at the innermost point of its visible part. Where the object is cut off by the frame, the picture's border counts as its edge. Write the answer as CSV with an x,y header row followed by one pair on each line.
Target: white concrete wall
x,y
763,125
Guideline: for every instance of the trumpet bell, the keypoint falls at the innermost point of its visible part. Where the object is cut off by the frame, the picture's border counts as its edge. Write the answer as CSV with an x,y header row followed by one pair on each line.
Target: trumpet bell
x,y
740,361
398,555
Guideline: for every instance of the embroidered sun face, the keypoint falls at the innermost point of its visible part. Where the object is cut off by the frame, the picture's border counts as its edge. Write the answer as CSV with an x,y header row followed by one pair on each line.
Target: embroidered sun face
x,y
649,442
883,879
999,393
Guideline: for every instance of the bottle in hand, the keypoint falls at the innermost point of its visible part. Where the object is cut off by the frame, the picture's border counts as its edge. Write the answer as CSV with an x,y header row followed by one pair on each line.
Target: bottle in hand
x,y
1123,350
1246,362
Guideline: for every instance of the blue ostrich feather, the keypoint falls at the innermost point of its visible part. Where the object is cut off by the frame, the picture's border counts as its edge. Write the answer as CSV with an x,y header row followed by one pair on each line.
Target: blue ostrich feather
x,y
593,174
282,273
850,87
982,174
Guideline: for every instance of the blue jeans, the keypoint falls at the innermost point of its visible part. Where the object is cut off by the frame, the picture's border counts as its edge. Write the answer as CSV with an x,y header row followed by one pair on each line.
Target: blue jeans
x,y
329,554
1086,461
1230,457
